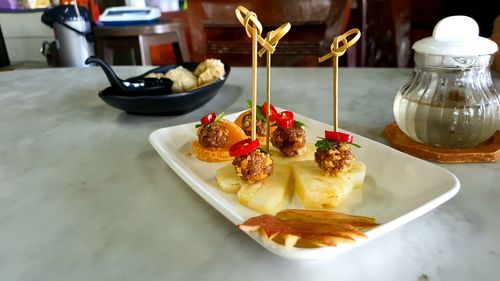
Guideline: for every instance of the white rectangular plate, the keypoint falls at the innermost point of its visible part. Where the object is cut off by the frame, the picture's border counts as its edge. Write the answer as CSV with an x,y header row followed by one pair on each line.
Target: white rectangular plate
x,y
397,189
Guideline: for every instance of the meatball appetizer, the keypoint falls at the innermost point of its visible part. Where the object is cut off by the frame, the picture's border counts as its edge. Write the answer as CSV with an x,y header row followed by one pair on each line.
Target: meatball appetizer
x,y
215,137
328,180
251,163
289,137
245,121
333,155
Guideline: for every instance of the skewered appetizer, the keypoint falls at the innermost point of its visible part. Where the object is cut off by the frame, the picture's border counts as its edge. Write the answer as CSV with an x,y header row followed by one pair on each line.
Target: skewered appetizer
x,y
329,179
289,137
251,163
215,137
244,121
259,184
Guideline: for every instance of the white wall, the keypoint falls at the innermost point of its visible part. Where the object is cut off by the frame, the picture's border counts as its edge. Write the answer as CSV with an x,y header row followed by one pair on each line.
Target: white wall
x,y
24,34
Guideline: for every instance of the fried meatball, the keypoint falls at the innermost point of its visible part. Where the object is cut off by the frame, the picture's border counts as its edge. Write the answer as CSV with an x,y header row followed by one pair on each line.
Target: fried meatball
x,y
213,135
289,141
260,127
254,166
337,159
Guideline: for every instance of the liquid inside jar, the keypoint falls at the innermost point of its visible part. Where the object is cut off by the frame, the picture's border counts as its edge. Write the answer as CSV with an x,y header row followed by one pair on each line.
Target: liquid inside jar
x,y
448,107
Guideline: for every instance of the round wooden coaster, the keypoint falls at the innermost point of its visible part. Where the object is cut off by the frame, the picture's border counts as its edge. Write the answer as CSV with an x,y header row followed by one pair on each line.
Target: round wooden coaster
x,y
489,151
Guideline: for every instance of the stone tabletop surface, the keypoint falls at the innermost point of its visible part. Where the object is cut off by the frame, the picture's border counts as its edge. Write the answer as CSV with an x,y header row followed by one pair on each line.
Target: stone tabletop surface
x,y
83,195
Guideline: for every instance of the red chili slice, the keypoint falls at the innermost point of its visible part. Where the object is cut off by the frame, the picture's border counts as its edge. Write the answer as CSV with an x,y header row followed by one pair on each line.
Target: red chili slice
x,y
209,118
285,119
272,110
244,147
338,136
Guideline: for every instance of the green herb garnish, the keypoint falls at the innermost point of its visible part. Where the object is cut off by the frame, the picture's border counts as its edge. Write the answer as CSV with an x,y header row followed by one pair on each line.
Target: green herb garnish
x,y
324,144
298,124
217,118
259,116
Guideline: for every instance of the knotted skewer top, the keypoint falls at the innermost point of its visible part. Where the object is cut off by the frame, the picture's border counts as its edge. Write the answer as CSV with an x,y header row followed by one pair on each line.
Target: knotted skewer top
x,y
273,37
338,50
249,21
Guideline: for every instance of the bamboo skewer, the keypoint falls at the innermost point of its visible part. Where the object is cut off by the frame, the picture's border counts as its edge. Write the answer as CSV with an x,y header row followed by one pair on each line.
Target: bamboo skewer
x,y
254,82
268,93
338,50
272,38
335,64
253,29
268,45
245,16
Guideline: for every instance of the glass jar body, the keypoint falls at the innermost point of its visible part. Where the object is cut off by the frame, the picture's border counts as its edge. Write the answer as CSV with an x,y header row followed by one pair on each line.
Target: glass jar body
x,y
449,101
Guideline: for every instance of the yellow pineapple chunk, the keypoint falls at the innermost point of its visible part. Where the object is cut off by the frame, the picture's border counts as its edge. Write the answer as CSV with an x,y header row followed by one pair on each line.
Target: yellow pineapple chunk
x,y
319,191
357,173
307,153
227,179
267,196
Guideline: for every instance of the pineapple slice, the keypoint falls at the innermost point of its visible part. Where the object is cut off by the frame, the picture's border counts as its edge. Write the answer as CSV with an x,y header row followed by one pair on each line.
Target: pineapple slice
x,y
227,179
357,173
267,196
306,154
318,191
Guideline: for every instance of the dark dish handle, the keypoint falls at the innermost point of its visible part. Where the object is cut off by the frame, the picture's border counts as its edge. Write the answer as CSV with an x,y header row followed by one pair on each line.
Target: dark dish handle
x,y
113,79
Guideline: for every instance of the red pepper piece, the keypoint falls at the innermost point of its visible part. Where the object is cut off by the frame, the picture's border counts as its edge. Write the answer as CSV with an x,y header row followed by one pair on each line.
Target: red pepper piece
x,y
272,110
244,147
209,118
285,119
338,136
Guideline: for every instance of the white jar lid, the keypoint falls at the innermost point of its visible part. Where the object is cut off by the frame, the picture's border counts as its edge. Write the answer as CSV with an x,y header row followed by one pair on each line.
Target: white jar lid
x,y
456,36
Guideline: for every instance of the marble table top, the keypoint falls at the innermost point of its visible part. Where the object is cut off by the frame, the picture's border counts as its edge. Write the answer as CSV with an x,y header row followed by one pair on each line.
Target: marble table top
x,y
83,195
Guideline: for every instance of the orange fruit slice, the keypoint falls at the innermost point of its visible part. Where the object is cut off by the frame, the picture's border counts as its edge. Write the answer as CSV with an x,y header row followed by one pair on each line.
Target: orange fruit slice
x,y
239,119
239,122
219,154
236,133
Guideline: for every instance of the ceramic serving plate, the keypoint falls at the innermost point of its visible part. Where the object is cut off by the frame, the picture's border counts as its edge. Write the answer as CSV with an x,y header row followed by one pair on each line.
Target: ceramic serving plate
x,y
397,189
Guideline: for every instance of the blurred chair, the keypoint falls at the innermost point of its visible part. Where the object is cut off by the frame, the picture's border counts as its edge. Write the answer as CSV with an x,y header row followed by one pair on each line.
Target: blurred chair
x,y
139,39
385,33
216,32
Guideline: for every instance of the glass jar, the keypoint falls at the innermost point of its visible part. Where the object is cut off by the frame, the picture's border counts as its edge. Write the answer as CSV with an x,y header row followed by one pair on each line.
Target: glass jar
x,y
449,100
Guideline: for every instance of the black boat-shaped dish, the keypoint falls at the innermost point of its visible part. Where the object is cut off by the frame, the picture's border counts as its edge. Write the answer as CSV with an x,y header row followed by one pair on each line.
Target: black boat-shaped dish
x,y
147,101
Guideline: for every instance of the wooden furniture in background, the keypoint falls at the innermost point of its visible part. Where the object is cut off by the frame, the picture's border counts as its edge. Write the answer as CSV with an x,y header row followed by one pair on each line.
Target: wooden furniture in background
x,y
390,27
139,39
215,31
385,31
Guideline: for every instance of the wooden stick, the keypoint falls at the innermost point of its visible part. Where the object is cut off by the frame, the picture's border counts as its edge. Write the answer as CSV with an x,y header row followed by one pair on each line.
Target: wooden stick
x,y
335,90
268,97
254,81
245,17
335,52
